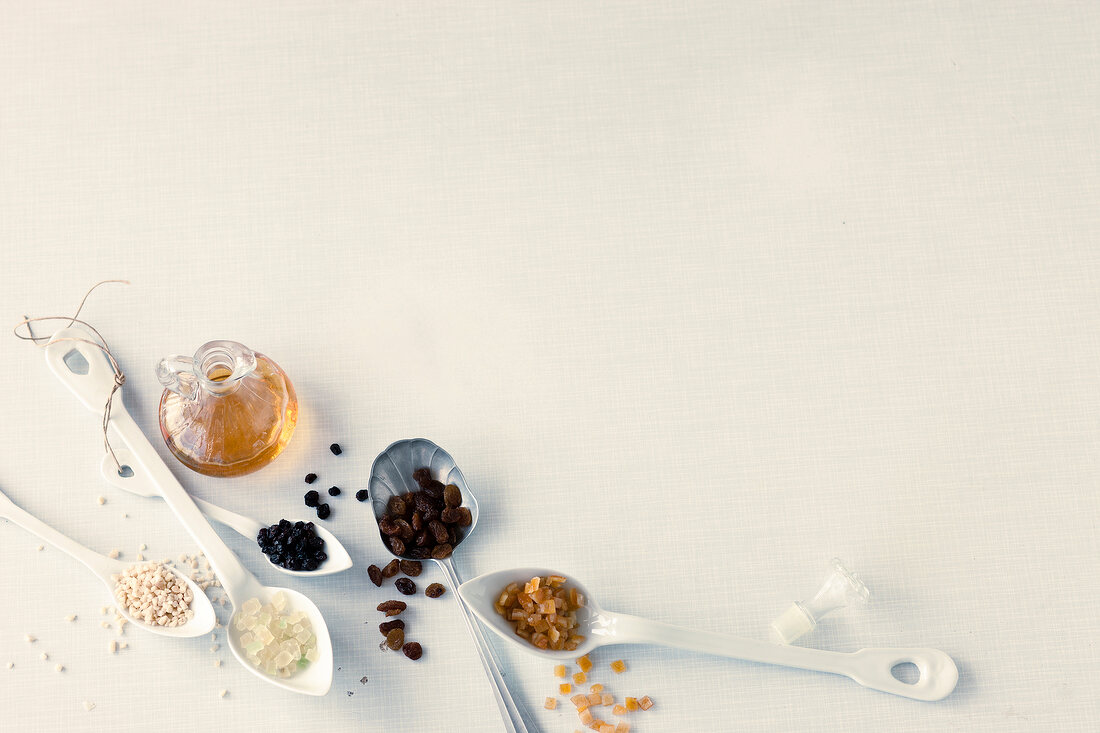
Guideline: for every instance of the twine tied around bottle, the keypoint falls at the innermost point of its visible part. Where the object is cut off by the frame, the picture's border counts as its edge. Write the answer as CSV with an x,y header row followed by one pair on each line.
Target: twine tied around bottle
x,y
100,343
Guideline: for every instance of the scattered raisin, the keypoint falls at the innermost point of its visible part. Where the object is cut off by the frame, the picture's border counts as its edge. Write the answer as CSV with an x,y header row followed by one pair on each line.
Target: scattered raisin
x,y
435,590
387,626
310,478
361,495
452,495
395,639
324,511
391,569
336,449
392,608
375,574
396,545
422,476
405,586
312,498
334,491
411,568
413,650
442,552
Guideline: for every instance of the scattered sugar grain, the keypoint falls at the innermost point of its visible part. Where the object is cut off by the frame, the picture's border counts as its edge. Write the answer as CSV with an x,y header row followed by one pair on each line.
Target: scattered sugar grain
x,y
214,648
223,693
143,546
59,668
43,656
89,706
113,554
71,617
100,500
11,665
112,646
217,662
41,548
30,639
122,645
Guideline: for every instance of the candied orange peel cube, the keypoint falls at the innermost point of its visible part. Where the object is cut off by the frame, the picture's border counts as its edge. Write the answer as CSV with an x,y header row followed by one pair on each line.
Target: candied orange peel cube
x,y
550,703
618,710
581,701
559,671
565,688
645,703
594,698
579,678
631,704
622,727
618,666
584,663
596,688
608,699
586,716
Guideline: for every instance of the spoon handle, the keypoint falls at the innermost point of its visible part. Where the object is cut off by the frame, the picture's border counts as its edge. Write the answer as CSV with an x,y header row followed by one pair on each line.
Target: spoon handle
x,y
868,667
95,562
510,712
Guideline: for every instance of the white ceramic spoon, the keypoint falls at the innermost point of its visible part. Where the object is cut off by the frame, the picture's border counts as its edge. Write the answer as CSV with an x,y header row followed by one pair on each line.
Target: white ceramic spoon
x,y
390,475
338,558
104,567
91,382
869,667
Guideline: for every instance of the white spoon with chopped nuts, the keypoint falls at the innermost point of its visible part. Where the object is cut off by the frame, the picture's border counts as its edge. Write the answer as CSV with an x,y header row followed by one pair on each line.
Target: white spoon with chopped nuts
x,y
106,569
871,668
86,372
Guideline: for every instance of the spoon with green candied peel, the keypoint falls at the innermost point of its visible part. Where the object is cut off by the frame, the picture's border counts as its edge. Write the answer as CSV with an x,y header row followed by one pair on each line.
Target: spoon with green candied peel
x,y
427,517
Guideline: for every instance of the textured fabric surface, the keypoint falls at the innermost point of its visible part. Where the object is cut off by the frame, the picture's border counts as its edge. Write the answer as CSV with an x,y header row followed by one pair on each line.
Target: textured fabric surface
x,y
697,294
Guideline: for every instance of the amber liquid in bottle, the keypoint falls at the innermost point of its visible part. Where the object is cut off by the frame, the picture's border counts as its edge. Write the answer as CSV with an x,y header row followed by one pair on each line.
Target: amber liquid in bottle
x,y
227,424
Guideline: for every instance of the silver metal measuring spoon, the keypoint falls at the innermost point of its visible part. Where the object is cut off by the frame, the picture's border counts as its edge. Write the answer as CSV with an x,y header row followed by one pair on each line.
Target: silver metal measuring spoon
x,y
869,667
391,475
135,482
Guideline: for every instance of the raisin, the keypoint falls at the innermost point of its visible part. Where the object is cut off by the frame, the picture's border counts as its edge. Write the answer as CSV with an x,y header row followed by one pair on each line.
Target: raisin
x,y
410,501
419,553
395,639
387,626
417,521
375,574
396,505
411,568
439,531
405,586
361,495
452,495
405,529
312,498
442,552
433,513
454,538
467,518
310,478
422,476
434,490
451,515
387,526
336,449
334,491
392,608
324,511
423,502
422,538
435,590
413,650
396,545
391,569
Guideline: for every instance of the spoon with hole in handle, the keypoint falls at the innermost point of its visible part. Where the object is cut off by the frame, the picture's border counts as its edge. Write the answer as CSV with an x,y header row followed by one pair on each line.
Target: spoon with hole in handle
x,y
391,475
104,568
338,558
869,667
92,383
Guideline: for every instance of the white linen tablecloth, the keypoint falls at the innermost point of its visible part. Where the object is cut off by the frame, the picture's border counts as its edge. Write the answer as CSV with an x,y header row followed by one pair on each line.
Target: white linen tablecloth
x,y
697,294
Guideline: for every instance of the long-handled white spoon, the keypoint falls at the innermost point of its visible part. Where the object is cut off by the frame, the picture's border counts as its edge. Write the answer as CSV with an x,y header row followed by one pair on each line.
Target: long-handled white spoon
x,y
391,475
338,558
104,567
869,667
91,385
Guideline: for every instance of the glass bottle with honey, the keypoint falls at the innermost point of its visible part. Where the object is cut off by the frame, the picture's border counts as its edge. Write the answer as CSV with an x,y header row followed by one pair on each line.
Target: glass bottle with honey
x,y
226,411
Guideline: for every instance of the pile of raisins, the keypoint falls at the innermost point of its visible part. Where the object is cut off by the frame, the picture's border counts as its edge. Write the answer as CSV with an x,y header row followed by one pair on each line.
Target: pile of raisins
x,y
426,523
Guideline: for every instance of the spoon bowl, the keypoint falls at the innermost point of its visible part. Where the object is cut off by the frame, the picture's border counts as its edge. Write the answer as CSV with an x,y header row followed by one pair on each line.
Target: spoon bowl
x,y
106,568
135,481
316,678
871,668
391,475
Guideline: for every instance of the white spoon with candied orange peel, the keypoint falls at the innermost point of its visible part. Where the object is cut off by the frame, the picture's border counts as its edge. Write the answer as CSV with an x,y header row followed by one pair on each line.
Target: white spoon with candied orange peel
x,y
152,596
549,614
